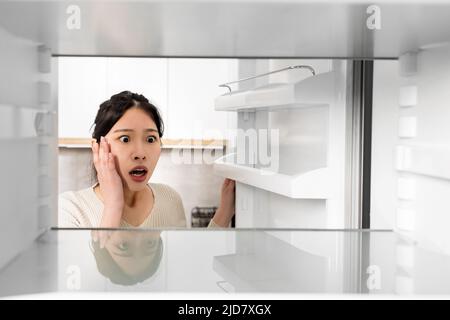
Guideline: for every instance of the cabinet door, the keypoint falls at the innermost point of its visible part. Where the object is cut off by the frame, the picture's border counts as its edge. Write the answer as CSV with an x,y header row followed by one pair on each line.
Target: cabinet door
x,y
147,76
82,88
193,86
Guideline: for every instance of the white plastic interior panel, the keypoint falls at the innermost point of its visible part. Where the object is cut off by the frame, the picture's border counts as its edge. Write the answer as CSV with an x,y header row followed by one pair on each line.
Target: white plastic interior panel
x,y
408,96
27,134
422,158
219,28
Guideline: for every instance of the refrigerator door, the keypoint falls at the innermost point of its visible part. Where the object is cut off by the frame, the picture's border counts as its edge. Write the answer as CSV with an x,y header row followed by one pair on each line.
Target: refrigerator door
x,y
291,145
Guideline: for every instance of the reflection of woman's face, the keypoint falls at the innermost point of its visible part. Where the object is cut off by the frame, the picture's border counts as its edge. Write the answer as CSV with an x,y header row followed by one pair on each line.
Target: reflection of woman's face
x,y
133,251
135,144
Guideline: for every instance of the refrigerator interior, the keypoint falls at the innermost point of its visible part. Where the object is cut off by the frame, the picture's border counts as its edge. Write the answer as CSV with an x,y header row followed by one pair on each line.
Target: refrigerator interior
x,y
409,149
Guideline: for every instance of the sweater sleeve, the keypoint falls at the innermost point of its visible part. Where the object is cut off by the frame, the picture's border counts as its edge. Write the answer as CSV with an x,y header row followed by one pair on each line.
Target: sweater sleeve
x,y
181,217
173,214
68,212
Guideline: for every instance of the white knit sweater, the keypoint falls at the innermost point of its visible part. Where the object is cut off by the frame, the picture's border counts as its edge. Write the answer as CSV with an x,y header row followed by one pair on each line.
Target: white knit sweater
x,y
83,209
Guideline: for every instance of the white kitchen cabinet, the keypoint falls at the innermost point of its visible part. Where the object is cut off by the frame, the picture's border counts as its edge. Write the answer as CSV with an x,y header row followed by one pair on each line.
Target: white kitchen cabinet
x,y
193,86
182,89
82,87
140,75
85,83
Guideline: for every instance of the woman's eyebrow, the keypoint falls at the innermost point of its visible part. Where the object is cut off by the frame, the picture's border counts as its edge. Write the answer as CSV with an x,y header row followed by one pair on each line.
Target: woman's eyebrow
x,y
130,130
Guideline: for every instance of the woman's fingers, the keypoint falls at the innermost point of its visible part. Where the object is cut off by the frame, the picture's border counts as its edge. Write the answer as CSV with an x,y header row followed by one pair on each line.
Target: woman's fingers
x,y
109,158
111,164
95,153
107,147
94,235
104,236
228,184
103,151
100,151
102,156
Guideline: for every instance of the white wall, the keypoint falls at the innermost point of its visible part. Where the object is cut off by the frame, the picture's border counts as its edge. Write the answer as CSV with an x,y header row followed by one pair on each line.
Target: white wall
x,y
193,84
27,138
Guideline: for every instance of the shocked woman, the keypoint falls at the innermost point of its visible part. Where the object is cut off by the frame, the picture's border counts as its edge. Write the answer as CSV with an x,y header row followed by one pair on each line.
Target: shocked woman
x,y
127,147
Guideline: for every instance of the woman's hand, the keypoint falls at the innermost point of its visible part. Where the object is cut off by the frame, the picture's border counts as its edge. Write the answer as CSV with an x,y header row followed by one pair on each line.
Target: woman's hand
x,y
101,236
225,212
110,183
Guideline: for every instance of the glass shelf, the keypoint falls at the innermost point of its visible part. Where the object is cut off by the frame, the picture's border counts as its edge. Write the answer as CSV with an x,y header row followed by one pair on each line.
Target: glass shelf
x,y
239,260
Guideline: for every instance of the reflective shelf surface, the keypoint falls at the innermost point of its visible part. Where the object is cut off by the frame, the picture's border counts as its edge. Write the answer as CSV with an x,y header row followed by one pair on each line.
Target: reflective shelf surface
x,y
250,261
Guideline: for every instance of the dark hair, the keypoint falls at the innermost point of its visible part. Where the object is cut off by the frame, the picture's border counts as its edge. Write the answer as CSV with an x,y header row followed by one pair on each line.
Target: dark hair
x,y
111,270
113,109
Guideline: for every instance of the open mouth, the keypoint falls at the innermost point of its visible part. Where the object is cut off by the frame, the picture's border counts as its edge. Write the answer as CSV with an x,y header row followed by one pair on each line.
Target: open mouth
x,y
138,173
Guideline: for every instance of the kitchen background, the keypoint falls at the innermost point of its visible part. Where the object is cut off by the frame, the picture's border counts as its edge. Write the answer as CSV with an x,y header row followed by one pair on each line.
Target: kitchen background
x,y
182,89
185,91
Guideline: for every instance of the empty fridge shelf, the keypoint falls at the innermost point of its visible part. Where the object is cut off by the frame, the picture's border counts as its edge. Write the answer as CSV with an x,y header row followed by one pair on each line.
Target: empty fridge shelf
x,y
312,184
314,91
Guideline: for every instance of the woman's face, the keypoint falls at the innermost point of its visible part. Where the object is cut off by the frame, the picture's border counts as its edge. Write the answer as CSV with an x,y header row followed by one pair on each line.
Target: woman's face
x,y
136,146
133,251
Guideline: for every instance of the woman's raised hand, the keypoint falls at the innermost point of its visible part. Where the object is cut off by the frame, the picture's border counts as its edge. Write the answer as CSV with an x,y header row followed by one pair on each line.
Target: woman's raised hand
x,y
225,212
110,183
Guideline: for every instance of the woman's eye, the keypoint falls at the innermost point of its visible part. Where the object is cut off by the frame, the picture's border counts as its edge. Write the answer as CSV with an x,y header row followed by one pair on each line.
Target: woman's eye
x,y
151,244
122,246
124,139
151,139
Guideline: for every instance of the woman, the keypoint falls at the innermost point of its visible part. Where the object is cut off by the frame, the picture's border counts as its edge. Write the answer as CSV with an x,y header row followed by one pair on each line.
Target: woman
x,y
127,146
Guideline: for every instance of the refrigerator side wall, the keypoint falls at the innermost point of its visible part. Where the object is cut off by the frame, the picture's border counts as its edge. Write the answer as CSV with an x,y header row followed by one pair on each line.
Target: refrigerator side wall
x,y
27,138
423,151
